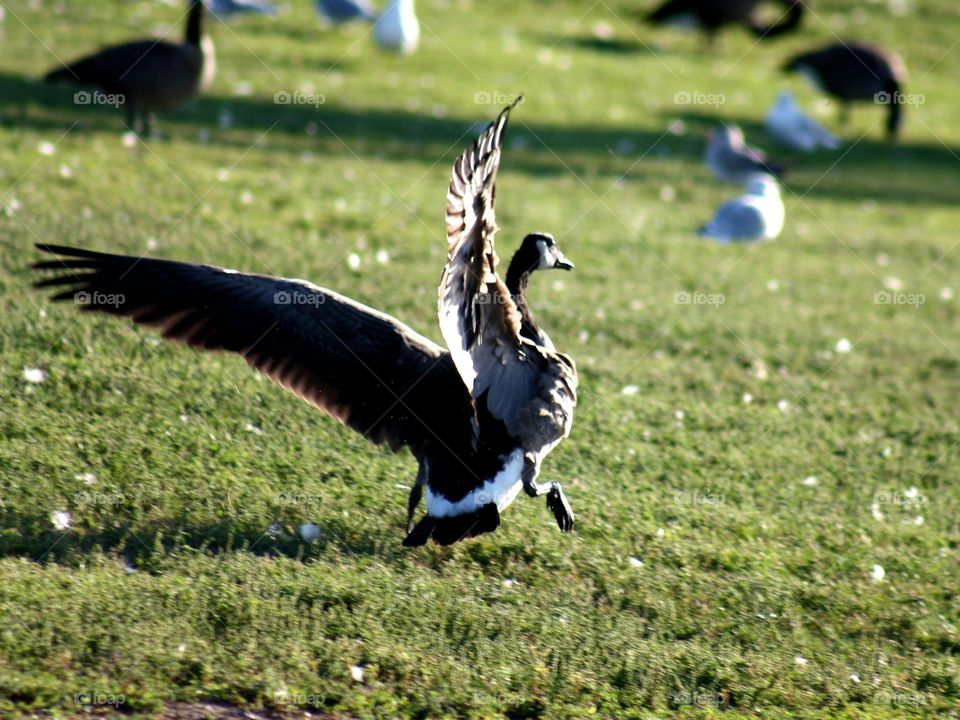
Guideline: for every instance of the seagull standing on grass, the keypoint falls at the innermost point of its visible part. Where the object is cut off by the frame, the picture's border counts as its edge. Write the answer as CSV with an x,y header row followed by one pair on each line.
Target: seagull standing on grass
x,y
398,29
755,215
790,126
479,416
732,160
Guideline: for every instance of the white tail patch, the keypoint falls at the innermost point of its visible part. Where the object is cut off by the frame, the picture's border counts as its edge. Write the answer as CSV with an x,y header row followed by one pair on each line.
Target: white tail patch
x,y
501,489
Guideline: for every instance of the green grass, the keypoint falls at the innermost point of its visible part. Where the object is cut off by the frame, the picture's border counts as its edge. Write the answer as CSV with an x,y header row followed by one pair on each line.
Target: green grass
x,y
167,587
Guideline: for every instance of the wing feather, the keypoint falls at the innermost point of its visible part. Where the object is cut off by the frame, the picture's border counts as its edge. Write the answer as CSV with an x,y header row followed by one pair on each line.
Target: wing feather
x,y
478,318
360,366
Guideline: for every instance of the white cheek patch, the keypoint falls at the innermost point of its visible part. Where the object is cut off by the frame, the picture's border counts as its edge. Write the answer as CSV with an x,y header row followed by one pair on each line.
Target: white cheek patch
x,y
545,262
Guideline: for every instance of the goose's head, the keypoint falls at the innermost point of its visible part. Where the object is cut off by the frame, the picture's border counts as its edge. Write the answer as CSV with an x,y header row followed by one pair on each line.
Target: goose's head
x,y
539,251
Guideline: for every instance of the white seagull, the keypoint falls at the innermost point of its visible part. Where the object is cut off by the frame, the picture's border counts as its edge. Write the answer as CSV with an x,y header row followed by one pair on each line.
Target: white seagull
x,y
398,29
755,215
790,126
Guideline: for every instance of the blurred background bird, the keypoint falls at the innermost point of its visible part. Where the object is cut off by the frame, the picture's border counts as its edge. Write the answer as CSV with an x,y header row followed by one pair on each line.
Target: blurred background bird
x,y
148,75
398,29
712,16
853,72
337,12
229,8
790,126
730,159
756,215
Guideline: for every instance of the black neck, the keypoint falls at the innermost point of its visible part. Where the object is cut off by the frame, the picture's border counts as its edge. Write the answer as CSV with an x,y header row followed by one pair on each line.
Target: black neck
x,y
518,275
195,23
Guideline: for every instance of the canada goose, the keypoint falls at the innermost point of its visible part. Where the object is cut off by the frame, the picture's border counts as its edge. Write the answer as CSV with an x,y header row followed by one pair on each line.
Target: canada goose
x,y
789,125
479,417
853,72
711,16
398,29
732,160
337,12
148,75
755,215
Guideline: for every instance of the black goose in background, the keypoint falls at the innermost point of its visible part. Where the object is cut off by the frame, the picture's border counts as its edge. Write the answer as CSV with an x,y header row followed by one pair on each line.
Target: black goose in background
x,y
148,75
479,417
711,16
854,72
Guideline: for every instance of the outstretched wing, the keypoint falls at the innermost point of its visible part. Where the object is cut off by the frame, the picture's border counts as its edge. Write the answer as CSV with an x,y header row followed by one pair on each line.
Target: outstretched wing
x,y
478,318
360,366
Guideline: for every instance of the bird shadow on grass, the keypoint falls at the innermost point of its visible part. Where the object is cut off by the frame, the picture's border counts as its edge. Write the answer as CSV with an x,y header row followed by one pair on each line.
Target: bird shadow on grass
x,y
608,46
868,169
335,131
144,545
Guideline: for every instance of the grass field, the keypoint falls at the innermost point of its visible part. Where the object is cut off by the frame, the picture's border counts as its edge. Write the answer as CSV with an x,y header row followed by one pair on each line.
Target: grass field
x,y
708,573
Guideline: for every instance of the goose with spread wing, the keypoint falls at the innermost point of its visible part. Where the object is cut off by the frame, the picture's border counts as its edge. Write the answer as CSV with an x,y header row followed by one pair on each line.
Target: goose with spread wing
x,y
479,417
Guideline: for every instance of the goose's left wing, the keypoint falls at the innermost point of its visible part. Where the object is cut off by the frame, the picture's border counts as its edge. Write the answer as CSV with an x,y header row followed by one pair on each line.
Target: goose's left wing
x,y
360,366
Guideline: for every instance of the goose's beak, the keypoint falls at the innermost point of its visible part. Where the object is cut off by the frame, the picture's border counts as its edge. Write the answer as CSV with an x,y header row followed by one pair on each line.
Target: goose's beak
x,y
562,262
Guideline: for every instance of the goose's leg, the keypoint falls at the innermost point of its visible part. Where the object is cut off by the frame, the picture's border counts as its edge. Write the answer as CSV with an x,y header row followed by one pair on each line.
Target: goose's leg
x,y
149,120
416,492
556,501
132,118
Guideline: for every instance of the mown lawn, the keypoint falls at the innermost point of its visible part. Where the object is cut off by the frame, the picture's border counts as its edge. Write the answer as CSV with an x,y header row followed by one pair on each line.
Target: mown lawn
x,y
708,573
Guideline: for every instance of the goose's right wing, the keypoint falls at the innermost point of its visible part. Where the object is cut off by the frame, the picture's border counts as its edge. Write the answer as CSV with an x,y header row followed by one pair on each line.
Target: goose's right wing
x,y
478,318
360,366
